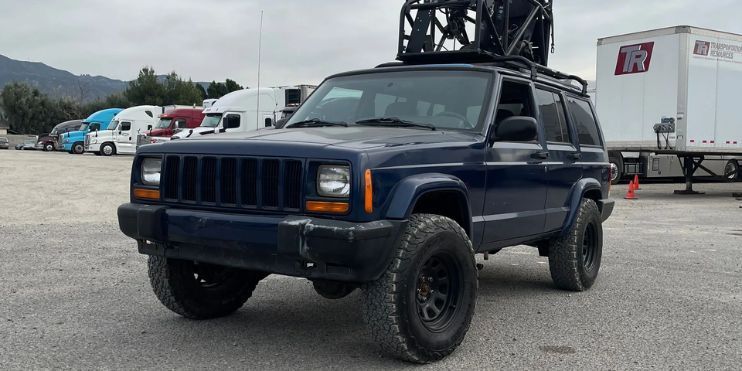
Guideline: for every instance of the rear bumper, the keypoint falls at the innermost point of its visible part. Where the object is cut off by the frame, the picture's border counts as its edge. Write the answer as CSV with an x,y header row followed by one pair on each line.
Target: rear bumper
x,y
292,245
606,206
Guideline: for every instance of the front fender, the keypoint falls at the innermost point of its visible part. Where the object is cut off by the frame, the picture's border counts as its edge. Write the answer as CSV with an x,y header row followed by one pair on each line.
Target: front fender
x,y
578,192
406,193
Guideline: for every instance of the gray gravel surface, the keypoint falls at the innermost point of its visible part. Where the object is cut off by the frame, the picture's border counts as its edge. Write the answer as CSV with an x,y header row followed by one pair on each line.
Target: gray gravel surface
x,y
75,293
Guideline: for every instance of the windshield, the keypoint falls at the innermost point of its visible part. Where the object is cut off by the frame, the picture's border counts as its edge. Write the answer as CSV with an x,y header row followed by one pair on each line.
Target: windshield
x,y
444,99
84,126
164,123
211,120
113,125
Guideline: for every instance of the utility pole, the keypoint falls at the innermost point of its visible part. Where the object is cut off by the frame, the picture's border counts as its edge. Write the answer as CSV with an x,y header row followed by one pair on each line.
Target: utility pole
x,y
260,56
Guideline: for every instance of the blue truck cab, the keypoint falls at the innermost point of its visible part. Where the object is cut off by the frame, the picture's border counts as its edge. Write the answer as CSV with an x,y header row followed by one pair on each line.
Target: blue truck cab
x,y
74,141
390,180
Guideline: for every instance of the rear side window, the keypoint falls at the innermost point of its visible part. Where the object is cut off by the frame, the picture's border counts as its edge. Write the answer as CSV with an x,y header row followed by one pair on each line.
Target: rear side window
x,y
552,115
231,122
584,122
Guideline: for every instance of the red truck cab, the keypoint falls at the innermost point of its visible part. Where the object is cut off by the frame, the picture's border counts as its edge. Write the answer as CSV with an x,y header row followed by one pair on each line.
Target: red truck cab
x,y
175,120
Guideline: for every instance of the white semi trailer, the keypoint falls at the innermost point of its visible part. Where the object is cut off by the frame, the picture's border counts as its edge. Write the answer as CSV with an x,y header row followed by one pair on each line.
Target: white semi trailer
x,y
247,110
669,103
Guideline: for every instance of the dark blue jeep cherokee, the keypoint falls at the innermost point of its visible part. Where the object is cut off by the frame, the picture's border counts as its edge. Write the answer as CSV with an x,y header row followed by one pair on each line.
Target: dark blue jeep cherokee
x,y
389,180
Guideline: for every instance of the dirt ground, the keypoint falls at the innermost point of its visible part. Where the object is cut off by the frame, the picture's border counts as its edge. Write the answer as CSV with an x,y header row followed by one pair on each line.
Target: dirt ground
x,y
75,293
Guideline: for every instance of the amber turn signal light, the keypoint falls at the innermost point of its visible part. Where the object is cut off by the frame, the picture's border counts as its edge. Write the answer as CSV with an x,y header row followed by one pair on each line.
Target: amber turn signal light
x,y
328,207
147,194
368,193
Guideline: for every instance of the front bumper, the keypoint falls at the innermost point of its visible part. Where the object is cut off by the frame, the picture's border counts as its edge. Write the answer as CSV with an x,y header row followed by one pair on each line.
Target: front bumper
x,y
290,245
606,206
92,147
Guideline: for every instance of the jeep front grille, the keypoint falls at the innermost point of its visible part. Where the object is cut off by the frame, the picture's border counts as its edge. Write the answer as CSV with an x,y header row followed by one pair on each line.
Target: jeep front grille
x,y
234,182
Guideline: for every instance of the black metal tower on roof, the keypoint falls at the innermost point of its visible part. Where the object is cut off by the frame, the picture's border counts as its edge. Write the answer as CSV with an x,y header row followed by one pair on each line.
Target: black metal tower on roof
x,y
475,30
518,34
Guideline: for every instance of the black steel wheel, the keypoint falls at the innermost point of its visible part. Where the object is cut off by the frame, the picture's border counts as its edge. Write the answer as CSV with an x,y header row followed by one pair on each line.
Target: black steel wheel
x,y
48,147
421,308
201,291
438,292
575,257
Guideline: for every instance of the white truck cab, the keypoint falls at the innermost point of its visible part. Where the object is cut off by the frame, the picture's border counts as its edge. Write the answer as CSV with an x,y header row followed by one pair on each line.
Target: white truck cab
x,y
239,112
121,135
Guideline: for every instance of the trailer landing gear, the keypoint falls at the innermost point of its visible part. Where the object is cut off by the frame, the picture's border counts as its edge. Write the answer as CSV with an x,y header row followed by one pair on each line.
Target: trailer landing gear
x,y
690,166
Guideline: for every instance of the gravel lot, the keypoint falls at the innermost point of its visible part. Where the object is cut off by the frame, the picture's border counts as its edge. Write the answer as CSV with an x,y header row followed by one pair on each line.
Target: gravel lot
x,y
75,293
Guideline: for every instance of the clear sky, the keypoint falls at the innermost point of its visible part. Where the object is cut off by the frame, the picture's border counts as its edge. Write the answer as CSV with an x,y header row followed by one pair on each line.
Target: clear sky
x,y
304,40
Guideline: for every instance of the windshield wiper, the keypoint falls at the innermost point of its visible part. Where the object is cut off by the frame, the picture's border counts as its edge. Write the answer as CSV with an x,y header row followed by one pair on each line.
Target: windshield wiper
x,y
316,123
394,122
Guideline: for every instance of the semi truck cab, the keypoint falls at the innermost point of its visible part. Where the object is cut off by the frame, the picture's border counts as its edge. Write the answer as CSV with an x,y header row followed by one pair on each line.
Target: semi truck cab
x,y
174,121
122,133
74,141
236,112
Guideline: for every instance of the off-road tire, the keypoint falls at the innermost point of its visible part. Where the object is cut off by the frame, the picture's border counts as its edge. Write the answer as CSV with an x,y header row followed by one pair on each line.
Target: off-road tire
x,y
575,267
175,284
333,290
392,308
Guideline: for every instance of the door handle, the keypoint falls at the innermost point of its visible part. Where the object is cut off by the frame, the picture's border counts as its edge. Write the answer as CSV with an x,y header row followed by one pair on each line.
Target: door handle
x,y
575,156
541,155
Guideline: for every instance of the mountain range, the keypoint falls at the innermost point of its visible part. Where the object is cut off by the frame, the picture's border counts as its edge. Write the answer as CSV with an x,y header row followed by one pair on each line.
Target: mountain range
x,y
58,83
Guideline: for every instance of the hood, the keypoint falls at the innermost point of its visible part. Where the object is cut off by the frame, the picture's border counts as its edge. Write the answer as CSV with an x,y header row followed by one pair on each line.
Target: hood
x,y
350,137
331,142
158,132
193,133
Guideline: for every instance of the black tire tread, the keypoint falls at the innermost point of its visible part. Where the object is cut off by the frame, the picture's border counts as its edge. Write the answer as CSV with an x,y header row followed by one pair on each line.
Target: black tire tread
x,y
564,260
173,294
380,308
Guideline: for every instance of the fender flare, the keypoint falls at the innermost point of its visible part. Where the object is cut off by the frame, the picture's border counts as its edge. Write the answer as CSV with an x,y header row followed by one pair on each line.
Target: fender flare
x,y
577,194
409,190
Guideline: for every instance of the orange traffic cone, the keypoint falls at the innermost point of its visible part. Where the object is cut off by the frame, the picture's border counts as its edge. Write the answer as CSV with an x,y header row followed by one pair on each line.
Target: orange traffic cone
x,y
630,195
637,187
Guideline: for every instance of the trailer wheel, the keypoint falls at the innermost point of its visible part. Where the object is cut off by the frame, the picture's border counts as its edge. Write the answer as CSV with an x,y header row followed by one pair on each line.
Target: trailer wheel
x,y
616,162
731,171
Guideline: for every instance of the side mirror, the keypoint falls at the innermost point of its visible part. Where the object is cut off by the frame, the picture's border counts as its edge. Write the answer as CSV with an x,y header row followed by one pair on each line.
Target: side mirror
x,y
268,122
517,129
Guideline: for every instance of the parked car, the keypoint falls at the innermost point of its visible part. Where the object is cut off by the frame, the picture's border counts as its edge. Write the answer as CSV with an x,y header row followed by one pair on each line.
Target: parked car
x,y
28,145
4,143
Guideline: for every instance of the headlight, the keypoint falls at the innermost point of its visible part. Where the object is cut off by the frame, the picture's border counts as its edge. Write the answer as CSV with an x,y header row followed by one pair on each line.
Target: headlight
x,y
333,181
151,171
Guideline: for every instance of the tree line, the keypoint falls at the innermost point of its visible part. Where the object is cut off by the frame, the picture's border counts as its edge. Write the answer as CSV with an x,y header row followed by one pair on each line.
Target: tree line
x,y
27,110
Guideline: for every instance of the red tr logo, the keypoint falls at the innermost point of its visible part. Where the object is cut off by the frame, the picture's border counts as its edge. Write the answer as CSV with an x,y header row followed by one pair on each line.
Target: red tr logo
x,y
634,59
